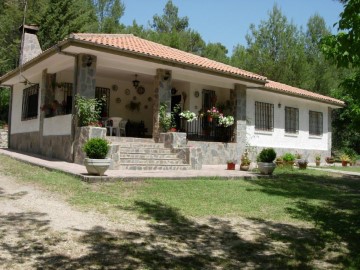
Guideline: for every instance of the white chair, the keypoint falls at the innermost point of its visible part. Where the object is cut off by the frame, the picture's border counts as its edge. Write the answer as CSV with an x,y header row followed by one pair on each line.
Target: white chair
x,y
122,127
115,125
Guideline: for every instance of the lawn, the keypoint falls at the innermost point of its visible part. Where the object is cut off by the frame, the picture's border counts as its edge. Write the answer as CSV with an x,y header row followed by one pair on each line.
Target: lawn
x,y
346,169
295,220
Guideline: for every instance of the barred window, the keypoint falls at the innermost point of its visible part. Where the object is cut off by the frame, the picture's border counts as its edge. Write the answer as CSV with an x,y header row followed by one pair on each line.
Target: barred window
x,y
291,120
30,102
264,116
103,94
315,123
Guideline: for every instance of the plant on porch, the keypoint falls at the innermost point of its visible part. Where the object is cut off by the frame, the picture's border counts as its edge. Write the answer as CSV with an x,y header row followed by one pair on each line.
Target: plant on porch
x,y
88,110
166,120
188,116
226,121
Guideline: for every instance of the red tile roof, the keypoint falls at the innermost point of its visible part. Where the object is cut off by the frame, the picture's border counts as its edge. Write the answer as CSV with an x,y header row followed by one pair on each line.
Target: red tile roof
x,y
131,43
301,92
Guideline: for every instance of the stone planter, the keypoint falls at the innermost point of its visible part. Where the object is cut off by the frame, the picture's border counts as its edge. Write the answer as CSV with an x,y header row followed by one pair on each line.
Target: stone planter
x,y
266,168
244,167
97,166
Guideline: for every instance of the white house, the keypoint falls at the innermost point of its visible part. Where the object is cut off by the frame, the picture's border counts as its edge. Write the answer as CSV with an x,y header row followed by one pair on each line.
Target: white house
x,y
135,76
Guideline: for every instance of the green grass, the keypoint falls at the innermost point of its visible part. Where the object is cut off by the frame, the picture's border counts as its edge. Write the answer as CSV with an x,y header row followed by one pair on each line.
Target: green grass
x,y
328,204
346,169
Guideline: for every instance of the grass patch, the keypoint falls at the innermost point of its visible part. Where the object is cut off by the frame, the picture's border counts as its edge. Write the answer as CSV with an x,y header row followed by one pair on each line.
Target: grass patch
x,y
345,169
328,203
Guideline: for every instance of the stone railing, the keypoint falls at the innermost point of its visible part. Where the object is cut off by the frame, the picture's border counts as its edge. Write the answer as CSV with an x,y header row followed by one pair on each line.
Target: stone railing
x,y
177,142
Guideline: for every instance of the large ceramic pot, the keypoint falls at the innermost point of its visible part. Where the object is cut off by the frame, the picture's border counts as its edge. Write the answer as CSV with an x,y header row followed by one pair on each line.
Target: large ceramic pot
x,y
244,167
97,166
231,166
266,168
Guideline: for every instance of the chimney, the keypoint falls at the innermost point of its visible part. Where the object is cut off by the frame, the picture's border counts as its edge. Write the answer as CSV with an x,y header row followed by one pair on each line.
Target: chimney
x,y
30,46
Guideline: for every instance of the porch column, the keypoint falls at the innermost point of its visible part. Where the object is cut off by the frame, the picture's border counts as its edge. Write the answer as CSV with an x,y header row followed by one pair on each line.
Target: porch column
x,y
86,75
162,94
240,117
329,131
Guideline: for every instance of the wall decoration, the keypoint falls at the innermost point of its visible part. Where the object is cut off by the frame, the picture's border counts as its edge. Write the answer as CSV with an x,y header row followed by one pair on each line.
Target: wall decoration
x,y
140,90
118,100
196,94
127,91
132,106
114,87
134,97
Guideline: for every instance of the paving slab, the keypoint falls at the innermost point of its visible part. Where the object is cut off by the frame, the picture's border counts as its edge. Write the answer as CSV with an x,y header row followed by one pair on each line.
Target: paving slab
x,y
207,171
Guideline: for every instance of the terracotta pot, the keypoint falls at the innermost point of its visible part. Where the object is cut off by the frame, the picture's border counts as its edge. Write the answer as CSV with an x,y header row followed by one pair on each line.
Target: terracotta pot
x,y
210,119
231,166
317,163
344,163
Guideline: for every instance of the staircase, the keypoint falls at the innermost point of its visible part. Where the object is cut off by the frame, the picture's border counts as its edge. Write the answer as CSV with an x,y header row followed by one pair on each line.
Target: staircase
x,y
143,154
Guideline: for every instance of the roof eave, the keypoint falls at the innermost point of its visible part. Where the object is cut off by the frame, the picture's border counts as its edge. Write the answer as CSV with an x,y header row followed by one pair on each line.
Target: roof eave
x,y
335,104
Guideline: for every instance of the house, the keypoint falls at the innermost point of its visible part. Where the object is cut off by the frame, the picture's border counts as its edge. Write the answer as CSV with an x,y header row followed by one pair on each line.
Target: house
x,y
135,76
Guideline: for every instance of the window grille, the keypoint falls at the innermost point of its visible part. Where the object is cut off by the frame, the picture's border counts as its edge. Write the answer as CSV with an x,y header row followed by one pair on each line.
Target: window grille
x,y
264,116
315,123
103,94
30,102
291,120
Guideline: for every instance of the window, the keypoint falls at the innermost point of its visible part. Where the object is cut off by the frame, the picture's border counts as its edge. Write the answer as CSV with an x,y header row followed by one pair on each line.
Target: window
x,y
103,94
315,123
291,120
30,102
264,116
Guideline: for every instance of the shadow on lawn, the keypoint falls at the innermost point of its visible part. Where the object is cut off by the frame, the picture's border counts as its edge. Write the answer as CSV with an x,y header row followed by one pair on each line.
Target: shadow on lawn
x,y
336,216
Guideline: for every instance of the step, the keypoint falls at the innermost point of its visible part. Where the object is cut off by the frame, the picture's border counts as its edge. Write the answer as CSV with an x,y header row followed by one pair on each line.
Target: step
x,y
129,139
152,161
129,150
147,155
140,145
153,167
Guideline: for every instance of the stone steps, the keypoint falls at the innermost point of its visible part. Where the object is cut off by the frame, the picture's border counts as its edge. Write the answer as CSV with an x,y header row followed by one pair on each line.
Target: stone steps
x,y
145,154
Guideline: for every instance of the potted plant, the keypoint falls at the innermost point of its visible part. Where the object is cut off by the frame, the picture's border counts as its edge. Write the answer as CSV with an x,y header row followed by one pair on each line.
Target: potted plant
x,y
302,163
245,162
96,150
288,159
329,160
88,110
265,161
317,160
212,113
345,159
231,164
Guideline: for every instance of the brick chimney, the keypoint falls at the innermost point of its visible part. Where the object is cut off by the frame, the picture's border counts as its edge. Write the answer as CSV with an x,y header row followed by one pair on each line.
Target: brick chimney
x,y
30,46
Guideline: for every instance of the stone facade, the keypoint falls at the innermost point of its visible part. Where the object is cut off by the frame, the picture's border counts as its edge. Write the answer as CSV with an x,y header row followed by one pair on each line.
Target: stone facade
x,y
31,46
3,138
240,116
86,79
26,142
57,147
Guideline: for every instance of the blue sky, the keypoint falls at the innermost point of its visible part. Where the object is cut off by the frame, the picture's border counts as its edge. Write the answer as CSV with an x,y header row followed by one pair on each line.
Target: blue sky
x,y
227,21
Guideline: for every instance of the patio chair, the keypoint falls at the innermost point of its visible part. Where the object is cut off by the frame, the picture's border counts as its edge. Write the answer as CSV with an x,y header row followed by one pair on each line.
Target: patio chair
x,y
122,127
115,125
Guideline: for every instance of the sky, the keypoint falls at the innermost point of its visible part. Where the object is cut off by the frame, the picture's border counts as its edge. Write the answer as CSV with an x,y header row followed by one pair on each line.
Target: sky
x,y
228,21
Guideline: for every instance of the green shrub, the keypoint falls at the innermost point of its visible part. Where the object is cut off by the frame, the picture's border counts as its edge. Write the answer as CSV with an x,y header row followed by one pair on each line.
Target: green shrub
x,y
288,157
266,155
88,110
96,148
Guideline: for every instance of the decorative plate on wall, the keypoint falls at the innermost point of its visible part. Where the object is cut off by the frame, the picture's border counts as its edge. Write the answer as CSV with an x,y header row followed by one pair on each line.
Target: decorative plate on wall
x,y
196,94
118,100
140,90
127,91
149,99
114,87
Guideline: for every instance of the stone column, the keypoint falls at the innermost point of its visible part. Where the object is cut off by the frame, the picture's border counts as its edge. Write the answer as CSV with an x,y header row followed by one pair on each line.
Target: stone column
x,y
86,75
240,117
162,94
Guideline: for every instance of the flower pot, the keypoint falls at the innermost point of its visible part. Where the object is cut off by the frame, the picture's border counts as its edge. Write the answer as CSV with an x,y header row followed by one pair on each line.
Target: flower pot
x,y
344,163
317,163
244,167
231,166
266,167
209,118
97,166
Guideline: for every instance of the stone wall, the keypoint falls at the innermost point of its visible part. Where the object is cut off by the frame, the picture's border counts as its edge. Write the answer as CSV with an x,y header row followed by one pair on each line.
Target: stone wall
x,y
3,138
214,153
26,142
57,146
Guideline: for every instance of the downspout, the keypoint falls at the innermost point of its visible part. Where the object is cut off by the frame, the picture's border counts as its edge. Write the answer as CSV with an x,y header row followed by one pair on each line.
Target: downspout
x,y
74,91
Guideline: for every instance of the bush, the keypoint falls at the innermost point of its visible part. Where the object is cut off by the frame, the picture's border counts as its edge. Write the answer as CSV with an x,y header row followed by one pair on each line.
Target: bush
x,y
88,110
288,157
266,155
96,148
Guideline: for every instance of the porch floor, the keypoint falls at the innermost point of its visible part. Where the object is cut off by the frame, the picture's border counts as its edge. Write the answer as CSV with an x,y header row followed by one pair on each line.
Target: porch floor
x,y
77,170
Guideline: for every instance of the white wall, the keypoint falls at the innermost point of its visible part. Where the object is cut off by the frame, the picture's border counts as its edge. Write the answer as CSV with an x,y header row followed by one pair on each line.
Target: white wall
x,y
17,125
57,125
278,138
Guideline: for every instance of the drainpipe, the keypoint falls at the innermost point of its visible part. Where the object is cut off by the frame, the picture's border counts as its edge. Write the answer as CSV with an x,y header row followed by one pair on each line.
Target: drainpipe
x,y
74,92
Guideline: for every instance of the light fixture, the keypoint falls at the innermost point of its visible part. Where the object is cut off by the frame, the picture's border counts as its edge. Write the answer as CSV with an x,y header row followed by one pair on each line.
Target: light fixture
x,y
279,105
136,82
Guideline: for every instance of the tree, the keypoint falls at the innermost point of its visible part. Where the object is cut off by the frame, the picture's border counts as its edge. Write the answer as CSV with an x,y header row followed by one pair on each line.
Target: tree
x,y
275,49
109,13
217,52
64,17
